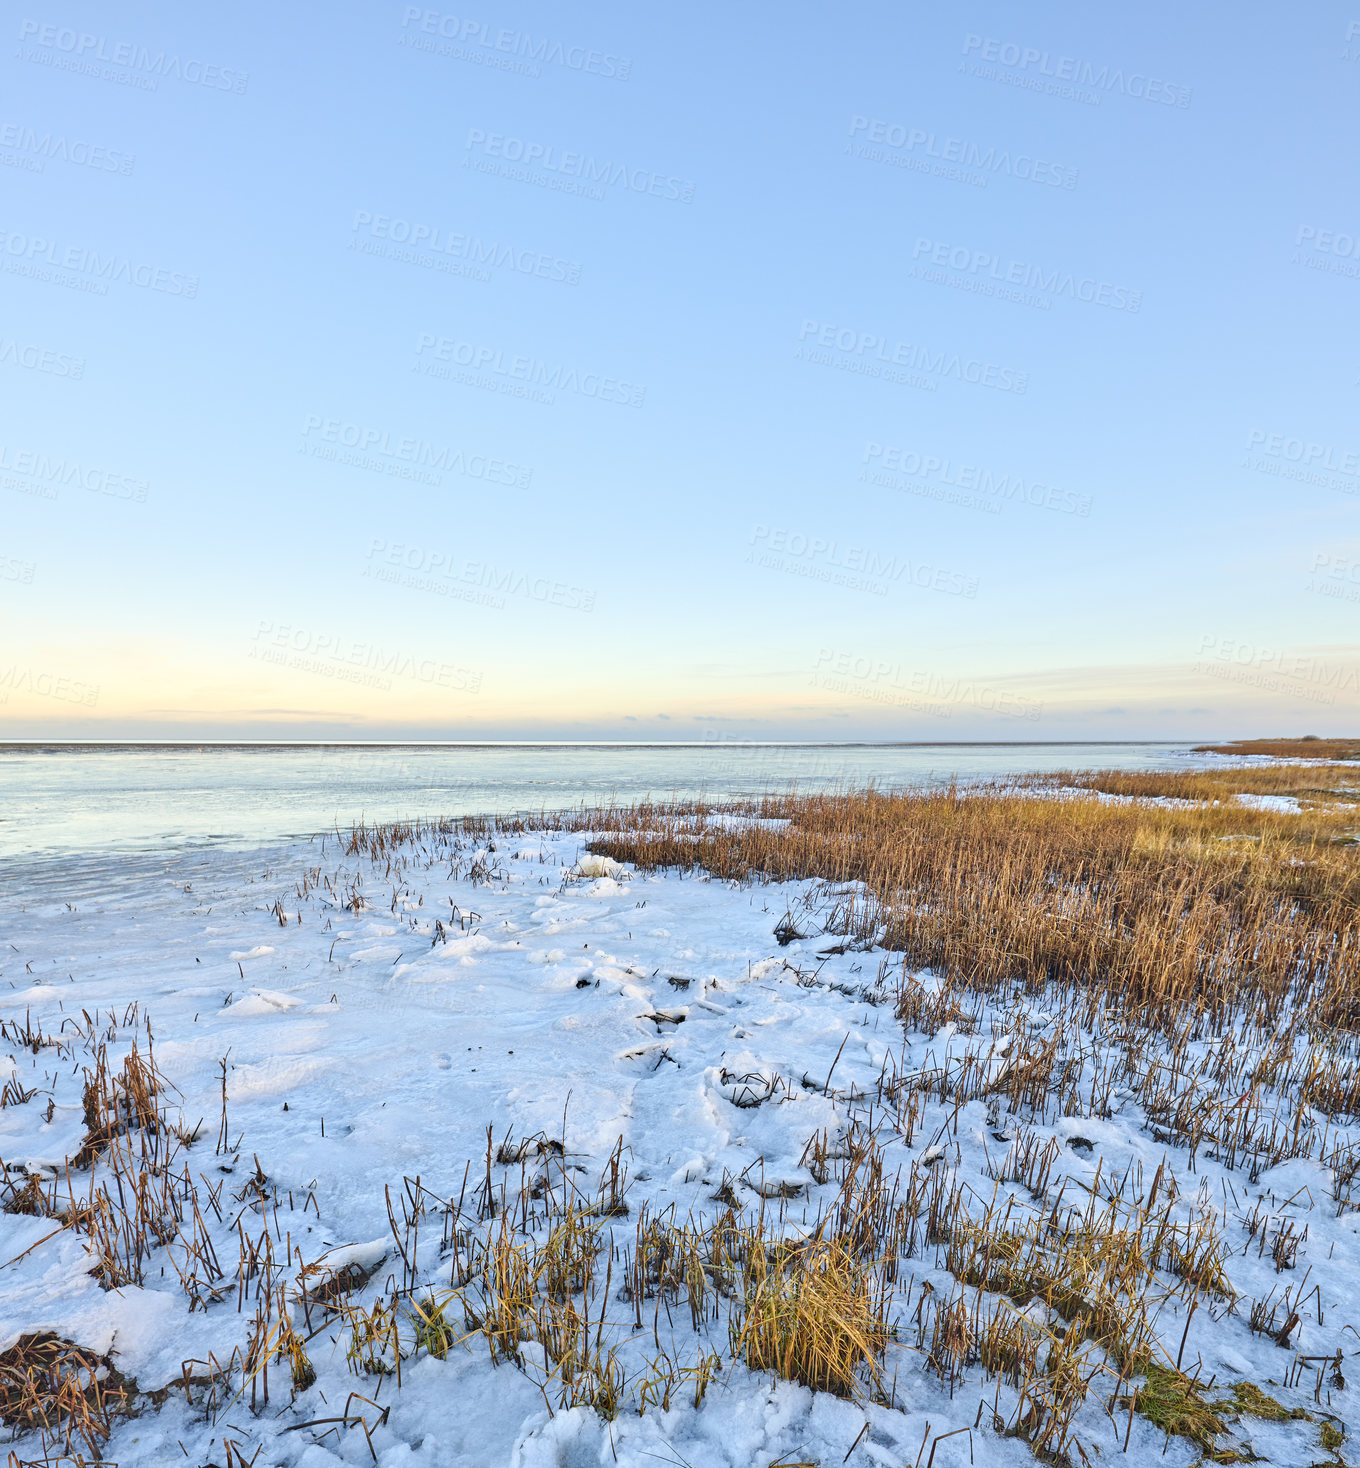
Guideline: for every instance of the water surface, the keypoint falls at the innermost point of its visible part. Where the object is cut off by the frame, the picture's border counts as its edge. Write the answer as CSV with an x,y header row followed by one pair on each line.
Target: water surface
x,y
64,798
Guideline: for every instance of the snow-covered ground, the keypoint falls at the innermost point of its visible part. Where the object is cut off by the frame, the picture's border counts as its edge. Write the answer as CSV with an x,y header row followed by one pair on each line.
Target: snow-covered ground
x,y
524,990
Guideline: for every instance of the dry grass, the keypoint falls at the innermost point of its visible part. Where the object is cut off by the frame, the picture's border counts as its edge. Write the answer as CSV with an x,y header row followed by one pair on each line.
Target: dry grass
x,y
1307,747
813,1315
66,1394
1326,785
1209,905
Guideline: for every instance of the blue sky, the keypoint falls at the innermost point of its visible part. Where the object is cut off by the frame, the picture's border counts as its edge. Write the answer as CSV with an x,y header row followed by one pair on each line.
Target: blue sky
x,y
574,372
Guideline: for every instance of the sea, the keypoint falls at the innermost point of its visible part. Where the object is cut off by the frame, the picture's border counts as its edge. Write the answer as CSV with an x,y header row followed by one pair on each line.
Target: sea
x,y
68,799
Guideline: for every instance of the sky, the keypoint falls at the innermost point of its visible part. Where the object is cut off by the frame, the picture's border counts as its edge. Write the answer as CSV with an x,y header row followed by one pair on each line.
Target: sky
x,y
759,372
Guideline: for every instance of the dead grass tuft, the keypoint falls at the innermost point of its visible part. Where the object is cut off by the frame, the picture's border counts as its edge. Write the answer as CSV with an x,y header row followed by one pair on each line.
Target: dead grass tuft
x,y
67,1394
812,1314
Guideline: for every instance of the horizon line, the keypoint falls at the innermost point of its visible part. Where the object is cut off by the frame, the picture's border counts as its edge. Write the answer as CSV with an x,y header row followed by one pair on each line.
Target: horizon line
x,y
18,744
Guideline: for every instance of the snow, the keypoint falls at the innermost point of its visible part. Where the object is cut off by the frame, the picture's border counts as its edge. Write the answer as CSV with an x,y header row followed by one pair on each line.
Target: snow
x,y
1285,804
601,866
575,999
1103,797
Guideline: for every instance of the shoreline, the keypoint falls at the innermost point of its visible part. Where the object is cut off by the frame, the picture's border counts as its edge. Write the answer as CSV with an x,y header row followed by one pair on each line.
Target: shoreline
x,y
427,1050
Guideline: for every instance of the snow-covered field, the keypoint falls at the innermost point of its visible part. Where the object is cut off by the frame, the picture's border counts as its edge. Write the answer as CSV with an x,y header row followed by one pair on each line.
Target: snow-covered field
x,y
572,1006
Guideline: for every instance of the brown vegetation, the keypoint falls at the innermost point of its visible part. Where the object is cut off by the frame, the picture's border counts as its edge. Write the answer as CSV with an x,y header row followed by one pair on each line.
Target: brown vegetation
x,y
68,1395
1307,747
1208,904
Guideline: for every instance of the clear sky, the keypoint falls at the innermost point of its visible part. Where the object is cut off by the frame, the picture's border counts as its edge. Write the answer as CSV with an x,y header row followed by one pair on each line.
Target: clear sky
x,y
760,371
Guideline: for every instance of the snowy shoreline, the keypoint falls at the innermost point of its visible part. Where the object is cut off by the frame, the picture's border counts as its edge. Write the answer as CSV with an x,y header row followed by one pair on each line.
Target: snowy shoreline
x,y
532,995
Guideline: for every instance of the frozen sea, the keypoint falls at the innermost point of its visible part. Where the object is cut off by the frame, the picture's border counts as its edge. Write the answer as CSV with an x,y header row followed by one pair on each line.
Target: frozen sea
x,y
58,799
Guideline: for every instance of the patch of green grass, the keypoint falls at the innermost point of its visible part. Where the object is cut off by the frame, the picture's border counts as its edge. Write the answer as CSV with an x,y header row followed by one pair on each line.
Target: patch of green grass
x,y
1172,1401
1332,1438
1175,1403
1250,1401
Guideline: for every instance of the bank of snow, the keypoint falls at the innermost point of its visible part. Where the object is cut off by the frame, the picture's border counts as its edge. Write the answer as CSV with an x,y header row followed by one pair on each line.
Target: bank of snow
x,y
559,995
